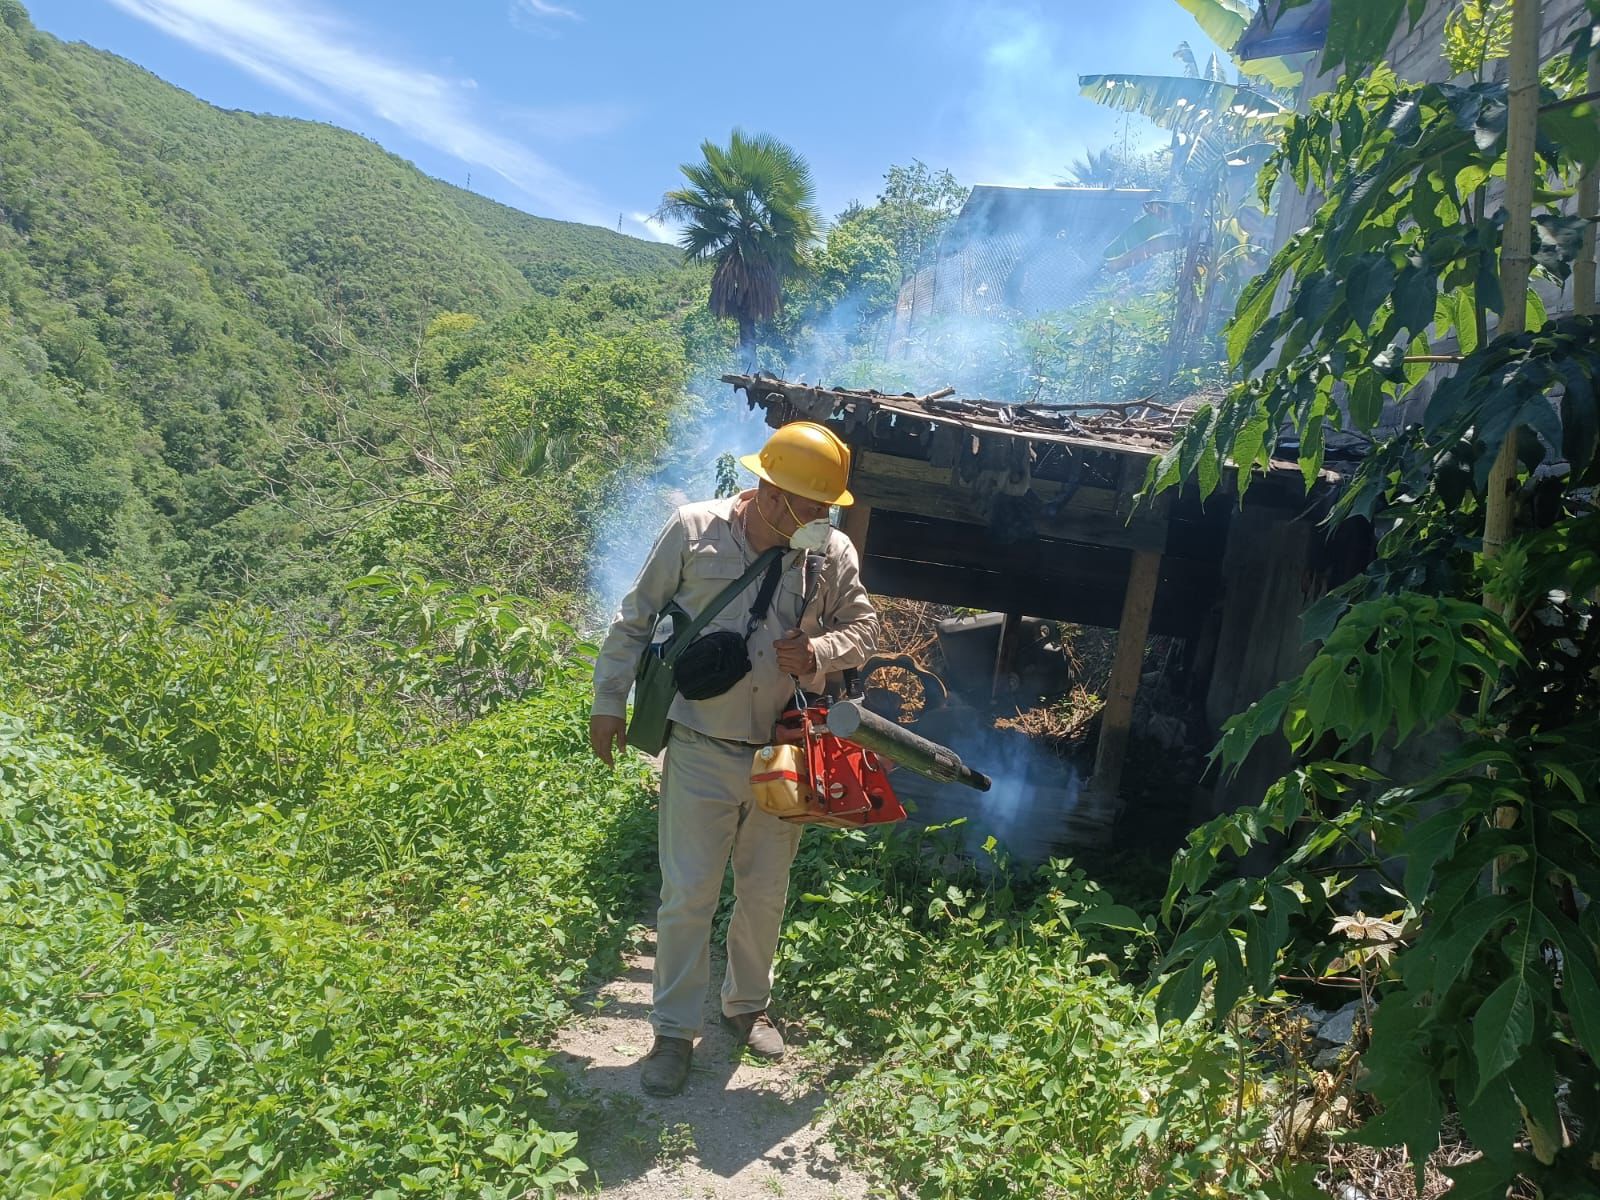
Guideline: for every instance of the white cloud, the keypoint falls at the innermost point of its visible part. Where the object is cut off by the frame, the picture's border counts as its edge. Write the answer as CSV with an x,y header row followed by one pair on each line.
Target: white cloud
x,y
323,62
657,229
543,8
537,16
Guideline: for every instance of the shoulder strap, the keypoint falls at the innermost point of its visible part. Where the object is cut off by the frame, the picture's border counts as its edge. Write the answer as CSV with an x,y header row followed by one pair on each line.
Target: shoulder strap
x,y
763,601
765,559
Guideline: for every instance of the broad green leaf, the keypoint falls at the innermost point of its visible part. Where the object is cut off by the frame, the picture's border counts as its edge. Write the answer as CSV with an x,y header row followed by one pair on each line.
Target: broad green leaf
x,y
1465,319
1150,234
1359,31
1575,128
1180,993
1208,472
1580,986
1230,979
1485,1179
1414,295
1366,400
1536,314
1502,1028
1261,954
1488,1112
1179,103
1311,451
1255,304
1113,916
1532,1076
1454,950
1425,845
1369,283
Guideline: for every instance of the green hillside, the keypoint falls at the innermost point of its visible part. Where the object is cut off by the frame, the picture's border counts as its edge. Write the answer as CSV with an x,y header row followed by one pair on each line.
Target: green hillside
x,y
170,274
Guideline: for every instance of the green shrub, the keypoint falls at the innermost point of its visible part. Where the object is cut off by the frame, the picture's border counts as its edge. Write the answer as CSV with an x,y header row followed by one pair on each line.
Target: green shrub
x,y
322,1036
227,711
1005,1056
516,792
257,934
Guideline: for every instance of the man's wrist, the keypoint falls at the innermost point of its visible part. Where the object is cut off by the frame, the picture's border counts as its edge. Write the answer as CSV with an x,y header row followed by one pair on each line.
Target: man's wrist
x,y
609,706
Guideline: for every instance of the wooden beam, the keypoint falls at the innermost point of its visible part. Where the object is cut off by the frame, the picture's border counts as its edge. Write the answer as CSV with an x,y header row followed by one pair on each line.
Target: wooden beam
x,y
875,467
919,557
1181,602
1117,717
1089,515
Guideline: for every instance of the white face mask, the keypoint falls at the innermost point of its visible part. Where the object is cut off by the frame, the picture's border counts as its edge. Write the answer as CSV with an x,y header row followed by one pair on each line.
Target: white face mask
x,y
813,535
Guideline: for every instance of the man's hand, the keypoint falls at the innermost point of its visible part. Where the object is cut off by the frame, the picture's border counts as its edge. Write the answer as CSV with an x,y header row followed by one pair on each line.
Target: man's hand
x,y
796,654
603,731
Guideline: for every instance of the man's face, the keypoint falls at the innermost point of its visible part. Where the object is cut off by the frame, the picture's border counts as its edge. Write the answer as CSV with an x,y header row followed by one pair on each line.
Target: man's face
x,y
787,512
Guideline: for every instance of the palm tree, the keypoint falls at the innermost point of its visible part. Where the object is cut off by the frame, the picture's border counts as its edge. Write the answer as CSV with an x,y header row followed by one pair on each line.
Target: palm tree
x,y
1097,168
751,207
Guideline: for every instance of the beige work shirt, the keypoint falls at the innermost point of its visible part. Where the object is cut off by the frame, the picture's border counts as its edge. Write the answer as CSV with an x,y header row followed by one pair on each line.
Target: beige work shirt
x,y
697,555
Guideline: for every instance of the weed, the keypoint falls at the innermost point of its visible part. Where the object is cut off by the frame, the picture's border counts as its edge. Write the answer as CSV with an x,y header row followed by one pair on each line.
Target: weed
x,y
257,938
676,1144
1005,1054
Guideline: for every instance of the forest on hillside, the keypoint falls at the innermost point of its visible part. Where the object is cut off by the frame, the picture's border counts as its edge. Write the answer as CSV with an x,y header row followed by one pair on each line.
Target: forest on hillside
x,y
254,357
181,288
305,463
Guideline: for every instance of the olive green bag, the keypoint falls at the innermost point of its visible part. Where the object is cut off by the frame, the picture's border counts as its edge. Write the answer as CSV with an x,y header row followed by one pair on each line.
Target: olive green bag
x,y
654,684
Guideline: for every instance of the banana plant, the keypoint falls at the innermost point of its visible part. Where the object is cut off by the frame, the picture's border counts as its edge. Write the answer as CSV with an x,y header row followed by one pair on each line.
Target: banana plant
x,y
1221,134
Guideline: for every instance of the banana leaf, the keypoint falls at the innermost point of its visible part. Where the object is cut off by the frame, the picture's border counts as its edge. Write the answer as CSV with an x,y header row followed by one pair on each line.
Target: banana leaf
x,y
1224,22
1179,104
1158,230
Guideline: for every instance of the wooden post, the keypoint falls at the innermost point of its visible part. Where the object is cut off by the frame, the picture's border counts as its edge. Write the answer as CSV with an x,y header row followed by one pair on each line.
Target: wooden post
x,y
856,519
1005,652
1117,716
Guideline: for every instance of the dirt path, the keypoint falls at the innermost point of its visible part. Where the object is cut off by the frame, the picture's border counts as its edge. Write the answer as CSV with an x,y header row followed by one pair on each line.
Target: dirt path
x,y
740,1129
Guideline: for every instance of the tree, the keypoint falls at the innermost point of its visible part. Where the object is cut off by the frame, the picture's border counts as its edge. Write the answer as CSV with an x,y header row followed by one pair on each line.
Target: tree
x,y
1483,845
914,209
751,208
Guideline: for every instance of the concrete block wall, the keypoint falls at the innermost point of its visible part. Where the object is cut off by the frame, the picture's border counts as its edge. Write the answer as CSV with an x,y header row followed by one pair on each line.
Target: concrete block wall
x,y
1416,54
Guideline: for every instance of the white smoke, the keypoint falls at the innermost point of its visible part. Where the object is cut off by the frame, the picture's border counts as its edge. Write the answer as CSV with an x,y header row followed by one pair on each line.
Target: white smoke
x,y
711,421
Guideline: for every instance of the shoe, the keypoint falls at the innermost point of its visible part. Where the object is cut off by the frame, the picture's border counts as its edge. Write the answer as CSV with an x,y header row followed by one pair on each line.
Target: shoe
x,y
666,1067
757,1033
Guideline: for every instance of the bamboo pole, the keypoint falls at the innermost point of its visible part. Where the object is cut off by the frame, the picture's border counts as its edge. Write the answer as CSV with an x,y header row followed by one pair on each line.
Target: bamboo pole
x,y
1522,127
1583,271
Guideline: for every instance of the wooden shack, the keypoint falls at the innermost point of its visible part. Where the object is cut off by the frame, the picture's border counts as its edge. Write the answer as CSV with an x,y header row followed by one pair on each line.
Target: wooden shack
x,y
1036,511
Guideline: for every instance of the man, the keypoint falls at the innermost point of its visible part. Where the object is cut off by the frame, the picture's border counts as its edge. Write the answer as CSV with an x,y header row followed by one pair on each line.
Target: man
x,y
819,621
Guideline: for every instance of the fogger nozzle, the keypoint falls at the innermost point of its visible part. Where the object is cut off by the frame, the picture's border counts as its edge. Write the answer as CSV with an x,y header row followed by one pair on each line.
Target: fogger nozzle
x,y
851,721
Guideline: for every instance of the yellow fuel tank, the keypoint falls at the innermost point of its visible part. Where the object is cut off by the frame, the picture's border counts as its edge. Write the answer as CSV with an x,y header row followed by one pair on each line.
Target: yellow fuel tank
x,y
780,781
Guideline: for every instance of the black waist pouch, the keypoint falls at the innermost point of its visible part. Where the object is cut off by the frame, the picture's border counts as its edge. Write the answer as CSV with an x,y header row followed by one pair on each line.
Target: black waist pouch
x,y
710,665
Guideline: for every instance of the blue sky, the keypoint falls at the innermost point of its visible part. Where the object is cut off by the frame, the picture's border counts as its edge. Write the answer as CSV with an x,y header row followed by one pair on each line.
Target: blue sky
x,y
583,109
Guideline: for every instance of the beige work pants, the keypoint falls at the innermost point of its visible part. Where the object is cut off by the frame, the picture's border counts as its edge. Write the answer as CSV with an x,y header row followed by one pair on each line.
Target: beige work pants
x,y
707,812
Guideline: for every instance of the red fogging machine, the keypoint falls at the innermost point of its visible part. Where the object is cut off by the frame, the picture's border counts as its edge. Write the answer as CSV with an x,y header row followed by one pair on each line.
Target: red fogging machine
x,y
828,765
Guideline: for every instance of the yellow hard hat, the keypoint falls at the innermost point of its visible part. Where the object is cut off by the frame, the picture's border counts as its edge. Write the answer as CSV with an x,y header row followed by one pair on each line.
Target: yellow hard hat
x,y
805,459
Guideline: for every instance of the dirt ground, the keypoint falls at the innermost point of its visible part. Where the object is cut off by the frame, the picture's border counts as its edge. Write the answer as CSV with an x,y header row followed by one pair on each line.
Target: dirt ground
x,y
740,1129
